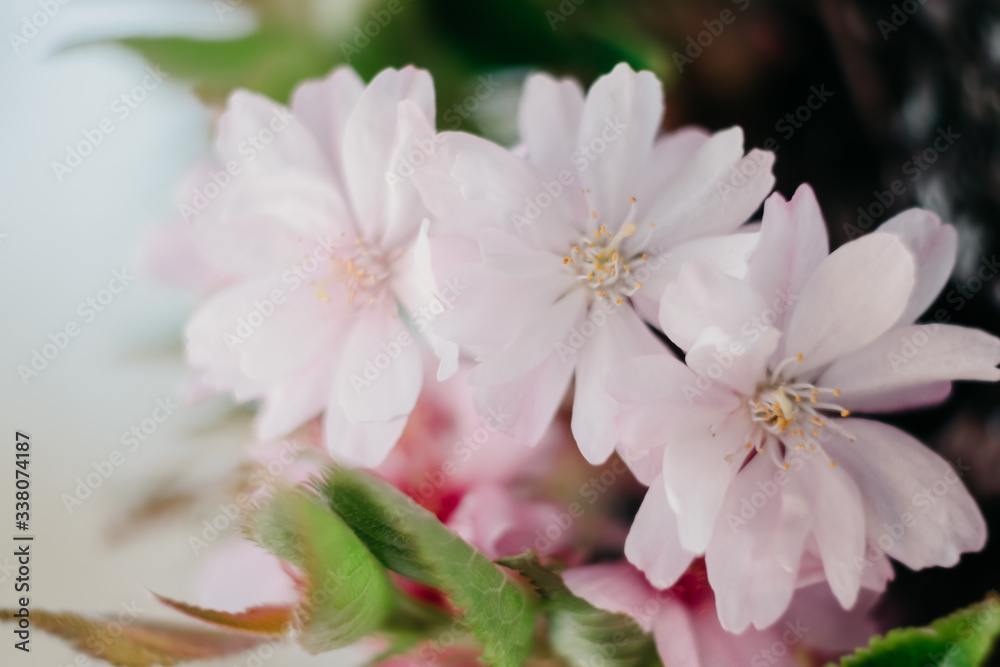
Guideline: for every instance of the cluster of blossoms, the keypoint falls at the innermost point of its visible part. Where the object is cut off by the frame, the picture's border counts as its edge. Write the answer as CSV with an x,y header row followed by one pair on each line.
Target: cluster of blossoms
x,y
438,322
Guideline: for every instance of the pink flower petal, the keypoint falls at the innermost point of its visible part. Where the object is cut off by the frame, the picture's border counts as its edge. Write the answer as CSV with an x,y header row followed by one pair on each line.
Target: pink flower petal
x,y
653,545
854,296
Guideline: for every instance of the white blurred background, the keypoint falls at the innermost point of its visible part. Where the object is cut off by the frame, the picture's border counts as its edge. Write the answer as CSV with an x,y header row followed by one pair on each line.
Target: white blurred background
x,y
60,242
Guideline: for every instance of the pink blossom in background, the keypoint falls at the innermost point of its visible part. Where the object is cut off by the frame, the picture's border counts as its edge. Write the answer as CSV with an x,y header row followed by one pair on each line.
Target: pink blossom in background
x,y
563,254
463,467
686,626
757,463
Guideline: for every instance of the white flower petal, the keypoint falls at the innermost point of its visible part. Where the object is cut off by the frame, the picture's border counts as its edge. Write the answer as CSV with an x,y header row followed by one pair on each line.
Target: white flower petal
x,y
739,363
381,369
697,470
261,136
671,155
214,335
716,192
515,196
909,398
837,522
622,336
296,400
911,356
622,114
529,402
534,343
549,115
372,139
792,244
296,331
935,247
655,393
359,444
703,296
905,483
853,297
653,545
727,253
751,584
324,107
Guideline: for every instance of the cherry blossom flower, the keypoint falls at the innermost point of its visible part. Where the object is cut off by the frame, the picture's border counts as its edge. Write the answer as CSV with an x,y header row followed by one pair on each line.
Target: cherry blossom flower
x,y
686,627
565,244
754,456
317,245
463,467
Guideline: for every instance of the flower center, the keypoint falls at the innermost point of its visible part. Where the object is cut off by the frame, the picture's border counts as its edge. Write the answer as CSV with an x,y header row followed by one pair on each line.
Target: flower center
x,y
792,411
362,271
600,264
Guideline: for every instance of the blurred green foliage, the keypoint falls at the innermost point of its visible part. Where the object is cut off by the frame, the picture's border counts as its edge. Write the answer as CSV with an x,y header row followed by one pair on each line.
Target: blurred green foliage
x,y
457,41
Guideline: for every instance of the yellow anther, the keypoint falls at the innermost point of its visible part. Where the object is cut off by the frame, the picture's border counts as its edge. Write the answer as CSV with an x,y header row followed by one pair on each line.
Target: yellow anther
x,y
833,464
844,413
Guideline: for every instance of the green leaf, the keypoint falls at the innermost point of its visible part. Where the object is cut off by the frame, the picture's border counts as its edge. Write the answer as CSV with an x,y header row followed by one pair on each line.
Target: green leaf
x,y
411,541
578,630
348,594
963,639
271,61
139,643
264,620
